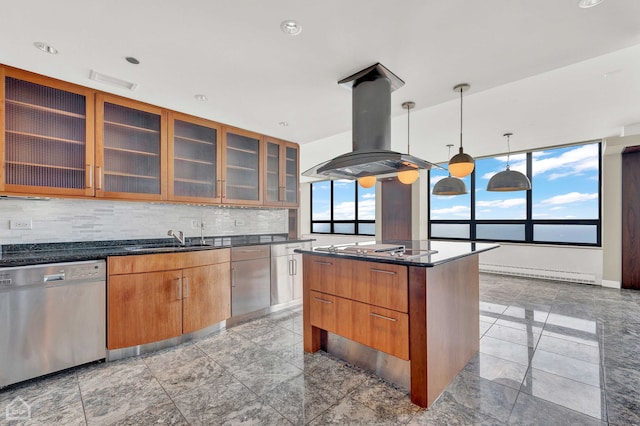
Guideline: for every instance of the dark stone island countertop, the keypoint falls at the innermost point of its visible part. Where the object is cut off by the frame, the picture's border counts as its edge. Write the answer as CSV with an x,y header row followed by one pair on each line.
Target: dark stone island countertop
x,y
41,253
423,253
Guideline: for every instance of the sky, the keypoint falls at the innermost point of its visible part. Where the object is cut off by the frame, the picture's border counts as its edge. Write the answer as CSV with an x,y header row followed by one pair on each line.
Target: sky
x,y
564,186
344,201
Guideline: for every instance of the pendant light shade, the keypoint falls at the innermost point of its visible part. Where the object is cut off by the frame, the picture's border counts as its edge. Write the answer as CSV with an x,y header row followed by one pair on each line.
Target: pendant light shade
x,y
461,164
367,181
449,185
508,180
408,176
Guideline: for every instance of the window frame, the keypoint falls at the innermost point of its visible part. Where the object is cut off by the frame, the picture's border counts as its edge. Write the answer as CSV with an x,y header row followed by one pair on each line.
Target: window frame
x,y
529,223
331,221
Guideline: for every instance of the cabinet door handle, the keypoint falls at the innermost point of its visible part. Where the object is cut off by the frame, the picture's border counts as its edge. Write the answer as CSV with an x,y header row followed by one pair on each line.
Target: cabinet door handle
x,y
382,271
179,284
281,194
325,301
290,267
99,175
295,267
218,182
89,171
373,314
233,277
186,287
320,262
224,189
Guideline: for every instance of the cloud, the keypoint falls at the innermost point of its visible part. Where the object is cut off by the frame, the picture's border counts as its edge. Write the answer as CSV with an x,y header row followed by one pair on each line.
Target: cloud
x,y
446,213
435,179
369,195
575,161
503,204
344,211
517,163
571,197
557,208
367,210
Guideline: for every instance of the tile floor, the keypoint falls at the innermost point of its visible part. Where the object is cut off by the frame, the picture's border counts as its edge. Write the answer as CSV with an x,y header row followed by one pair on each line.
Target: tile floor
x,y
550,353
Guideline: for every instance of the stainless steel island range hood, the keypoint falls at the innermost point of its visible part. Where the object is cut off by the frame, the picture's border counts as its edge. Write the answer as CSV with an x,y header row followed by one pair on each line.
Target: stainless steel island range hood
x,y
371,114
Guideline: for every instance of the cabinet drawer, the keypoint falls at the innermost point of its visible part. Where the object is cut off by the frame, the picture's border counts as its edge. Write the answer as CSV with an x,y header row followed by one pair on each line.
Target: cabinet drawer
x,y
381,284
133,264
378,328
323,311
389,331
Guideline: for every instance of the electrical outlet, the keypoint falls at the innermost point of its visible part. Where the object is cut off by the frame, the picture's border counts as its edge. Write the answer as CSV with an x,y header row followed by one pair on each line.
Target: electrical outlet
x,y
195,223
20,224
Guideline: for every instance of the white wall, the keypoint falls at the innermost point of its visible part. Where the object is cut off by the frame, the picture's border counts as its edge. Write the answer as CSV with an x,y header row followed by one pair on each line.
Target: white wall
x,y
62,220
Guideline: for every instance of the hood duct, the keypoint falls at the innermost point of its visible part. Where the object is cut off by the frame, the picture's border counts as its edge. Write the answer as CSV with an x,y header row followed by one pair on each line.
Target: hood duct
x,y
371,115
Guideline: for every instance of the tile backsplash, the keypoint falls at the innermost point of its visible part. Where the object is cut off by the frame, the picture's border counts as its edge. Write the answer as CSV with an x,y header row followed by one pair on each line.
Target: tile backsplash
x,y
60,220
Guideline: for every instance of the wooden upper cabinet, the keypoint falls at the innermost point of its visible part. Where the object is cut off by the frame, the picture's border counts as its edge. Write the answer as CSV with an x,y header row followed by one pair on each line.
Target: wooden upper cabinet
x,y
131,149
194,159
242,176
47,143
282,170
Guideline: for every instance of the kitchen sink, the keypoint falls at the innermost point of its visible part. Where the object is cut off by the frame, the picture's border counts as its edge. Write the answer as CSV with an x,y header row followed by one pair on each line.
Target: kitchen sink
x,y
138,249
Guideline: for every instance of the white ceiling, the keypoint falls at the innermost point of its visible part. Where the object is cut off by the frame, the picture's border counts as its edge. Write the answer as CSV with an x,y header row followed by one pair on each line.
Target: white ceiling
x,y
547,70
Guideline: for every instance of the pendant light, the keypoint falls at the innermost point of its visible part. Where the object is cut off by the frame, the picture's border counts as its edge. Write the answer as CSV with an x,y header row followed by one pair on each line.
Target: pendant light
x,y
461,164
408,176
509,180
367,181
449,185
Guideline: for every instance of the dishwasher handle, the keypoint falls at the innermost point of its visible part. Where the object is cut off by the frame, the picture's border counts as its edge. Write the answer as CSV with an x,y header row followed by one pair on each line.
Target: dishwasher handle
x,y
60,276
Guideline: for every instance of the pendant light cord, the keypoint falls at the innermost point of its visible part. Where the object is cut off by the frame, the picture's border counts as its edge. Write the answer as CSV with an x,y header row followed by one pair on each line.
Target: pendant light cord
x,y
508,135
461,118
408,130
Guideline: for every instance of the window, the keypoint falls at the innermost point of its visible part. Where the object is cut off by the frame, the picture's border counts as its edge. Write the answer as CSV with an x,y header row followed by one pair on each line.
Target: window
x,y
342,207
563,206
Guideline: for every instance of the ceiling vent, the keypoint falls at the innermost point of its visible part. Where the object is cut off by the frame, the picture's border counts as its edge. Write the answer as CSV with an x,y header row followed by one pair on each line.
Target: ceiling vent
x,y
112,81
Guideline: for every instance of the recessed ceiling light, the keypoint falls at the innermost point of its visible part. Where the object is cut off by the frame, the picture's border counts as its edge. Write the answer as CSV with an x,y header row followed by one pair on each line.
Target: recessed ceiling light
x,y
284,123
585,4
45,47
132,60
291,27
201,98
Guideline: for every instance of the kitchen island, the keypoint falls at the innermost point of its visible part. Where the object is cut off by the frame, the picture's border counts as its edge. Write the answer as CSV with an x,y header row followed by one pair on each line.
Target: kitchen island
x,y
408,311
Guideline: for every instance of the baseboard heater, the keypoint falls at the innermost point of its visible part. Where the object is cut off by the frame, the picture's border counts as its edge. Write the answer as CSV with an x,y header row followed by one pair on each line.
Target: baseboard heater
x,y
546,274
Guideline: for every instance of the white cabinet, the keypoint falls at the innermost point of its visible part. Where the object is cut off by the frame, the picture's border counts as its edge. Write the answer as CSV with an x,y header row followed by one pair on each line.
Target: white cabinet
x,y
286,272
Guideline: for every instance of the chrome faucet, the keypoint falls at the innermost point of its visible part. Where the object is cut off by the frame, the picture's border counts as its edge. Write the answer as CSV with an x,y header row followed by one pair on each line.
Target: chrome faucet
x,y
202,240
179,236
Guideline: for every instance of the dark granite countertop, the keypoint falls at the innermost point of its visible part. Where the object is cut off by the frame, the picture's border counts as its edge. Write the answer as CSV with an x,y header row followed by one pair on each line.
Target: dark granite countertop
x,y
423,253
33,254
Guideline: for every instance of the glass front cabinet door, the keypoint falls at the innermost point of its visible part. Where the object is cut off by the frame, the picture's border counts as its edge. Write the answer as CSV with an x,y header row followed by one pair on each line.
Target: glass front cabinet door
x,y
194,159
242,178
282,171
131,149
47,145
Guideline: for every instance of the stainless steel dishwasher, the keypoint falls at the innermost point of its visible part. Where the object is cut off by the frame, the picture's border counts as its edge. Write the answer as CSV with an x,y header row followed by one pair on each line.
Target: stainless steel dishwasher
x,y
52,317
286,272
250,279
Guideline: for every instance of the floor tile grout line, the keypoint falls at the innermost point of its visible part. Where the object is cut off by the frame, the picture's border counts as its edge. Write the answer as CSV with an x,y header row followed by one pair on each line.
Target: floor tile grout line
x,y
84,410
165,390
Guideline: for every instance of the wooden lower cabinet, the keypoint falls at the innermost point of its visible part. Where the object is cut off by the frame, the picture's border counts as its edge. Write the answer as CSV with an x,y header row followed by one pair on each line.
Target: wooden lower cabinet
x,y
143,308
382,329
324,311
150,298
205,300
